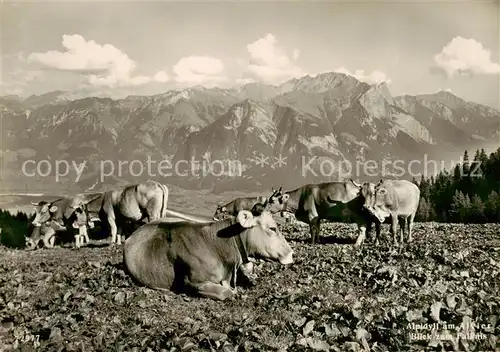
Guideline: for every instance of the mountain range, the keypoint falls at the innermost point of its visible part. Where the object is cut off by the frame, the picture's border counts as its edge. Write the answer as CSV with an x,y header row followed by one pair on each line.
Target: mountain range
x,y
309,123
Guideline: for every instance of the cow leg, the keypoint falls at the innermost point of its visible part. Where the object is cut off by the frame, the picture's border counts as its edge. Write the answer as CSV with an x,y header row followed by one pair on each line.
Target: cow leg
x,y
410,226
361,235
86,236
402,227
215,291
377,232
314,229
82,231
77,241
113,229
369,233
394,227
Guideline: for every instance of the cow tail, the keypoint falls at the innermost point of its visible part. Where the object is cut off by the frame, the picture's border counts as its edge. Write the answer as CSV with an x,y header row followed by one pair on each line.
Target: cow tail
x,y
164,200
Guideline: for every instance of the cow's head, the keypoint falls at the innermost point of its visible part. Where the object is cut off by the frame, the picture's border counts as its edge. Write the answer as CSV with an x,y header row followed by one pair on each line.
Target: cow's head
x,y
262,236
79,218
368,194
43,212
33,238
375,199
221,213
277,202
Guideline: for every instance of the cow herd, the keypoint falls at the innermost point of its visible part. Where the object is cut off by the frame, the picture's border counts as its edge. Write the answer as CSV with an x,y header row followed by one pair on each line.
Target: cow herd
x,y
173,250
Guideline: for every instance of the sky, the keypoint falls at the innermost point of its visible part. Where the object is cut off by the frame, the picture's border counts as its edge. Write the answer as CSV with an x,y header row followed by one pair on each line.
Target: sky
x,y
121,48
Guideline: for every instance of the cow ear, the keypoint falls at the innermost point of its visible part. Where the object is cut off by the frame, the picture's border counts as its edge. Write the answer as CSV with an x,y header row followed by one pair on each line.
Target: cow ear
x,y
279,191
286,197
382,191
53,209
246,219
33,203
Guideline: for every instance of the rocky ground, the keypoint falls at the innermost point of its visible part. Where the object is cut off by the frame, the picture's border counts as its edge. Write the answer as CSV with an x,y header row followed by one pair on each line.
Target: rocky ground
x,y
332,298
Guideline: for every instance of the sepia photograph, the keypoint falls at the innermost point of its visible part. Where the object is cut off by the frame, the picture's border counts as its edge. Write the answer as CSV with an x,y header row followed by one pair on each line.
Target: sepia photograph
x,y
223,175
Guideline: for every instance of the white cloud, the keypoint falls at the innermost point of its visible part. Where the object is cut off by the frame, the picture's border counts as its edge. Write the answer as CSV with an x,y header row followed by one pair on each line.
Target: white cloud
x,y
161,77
202,70
105,65
270,63
375,77
465,56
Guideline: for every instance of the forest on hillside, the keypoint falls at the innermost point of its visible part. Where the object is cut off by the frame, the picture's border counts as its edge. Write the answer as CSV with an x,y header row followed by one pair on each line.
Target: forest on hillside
x,y
470,193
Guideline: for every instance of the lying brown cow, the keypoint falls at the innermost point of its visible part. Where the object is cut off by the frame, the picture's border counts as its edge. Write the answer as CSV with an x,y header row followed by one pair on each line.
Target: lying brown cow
x,y
330,201
202,258
245,203
397,199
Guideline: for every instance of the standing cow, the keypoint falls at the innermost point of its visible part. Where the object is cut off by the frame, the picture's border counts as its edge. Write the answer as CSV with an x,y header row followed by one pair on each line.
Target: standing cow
x,y
202,258
398,199
146,201
313,202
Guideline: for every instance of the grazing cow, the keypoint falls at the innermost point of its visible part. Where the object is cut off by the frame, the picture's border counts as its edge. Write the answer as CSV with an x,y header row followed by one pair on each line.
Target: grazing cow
x,y
202,258
146,201
398,199
55,217
245,203
313,202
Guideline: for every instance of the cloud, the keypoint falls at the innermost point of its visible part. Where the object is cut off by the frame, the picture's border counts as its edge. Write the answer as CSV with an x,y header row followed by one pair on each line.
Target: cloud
x,y
202,70
105,65
14,81
465,56
270,63
161,77
375,77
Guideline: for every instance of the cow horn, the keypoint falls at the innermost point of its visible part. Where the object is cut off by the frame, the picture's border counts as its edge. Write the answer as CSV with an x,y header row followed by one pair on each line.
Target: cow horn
x,y
355,183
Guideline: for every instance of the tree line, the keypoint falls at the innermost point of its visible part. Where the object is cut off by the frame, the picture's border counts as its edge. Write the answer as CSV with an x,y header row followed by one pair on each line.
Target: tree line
x,y
470,193
13,228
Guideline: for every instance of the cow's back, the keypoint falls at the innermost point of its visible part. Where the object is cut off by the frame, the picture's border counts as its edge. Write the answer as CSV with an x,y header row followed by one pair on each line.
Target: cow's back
x,y
334,198
407,194
147,256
